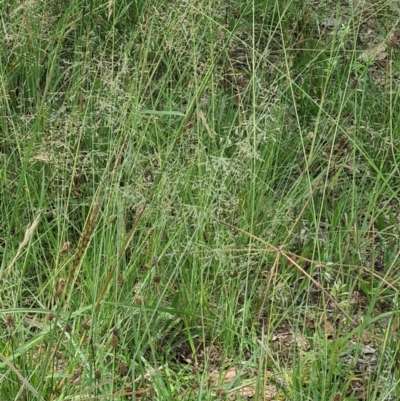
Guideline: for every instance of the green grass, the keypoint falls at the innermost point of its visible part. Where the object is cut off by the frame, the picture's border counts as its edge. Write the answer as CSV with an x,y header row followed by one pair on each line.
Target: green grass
x,y
199,200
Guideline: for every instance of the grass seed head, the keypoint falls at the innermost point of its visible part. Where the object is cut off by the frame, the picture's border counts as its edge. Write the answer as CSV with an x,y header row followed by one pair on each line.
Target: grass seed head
x,y
114,341
123,369
9,320
60,286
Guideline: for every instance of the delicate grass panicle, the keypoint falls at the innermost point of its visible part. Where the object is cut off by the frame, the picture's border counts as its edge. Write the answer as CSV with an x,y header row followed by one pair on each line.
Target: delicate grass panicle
x,y
199,200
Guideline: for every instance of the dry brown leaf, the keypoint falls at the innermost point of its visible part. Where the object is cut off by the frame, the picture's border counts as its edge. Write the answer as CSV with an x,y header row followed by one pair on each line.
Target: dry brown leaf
x,y
283,338
225,376
310,323
214,377
247,392
375,52
302,342
65,248
329,329
271,392
230,375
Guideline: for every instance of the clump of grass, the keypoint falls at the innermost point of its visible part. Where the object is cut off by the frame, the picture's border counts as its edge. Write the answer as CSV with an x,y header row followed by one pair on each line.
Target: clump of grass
x,y
245,242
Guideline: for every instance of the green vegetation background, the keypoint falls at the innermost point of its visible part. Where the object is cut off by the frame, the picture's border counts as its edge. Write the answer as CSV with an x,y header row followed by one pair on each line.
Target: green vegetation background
x,y
194,188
